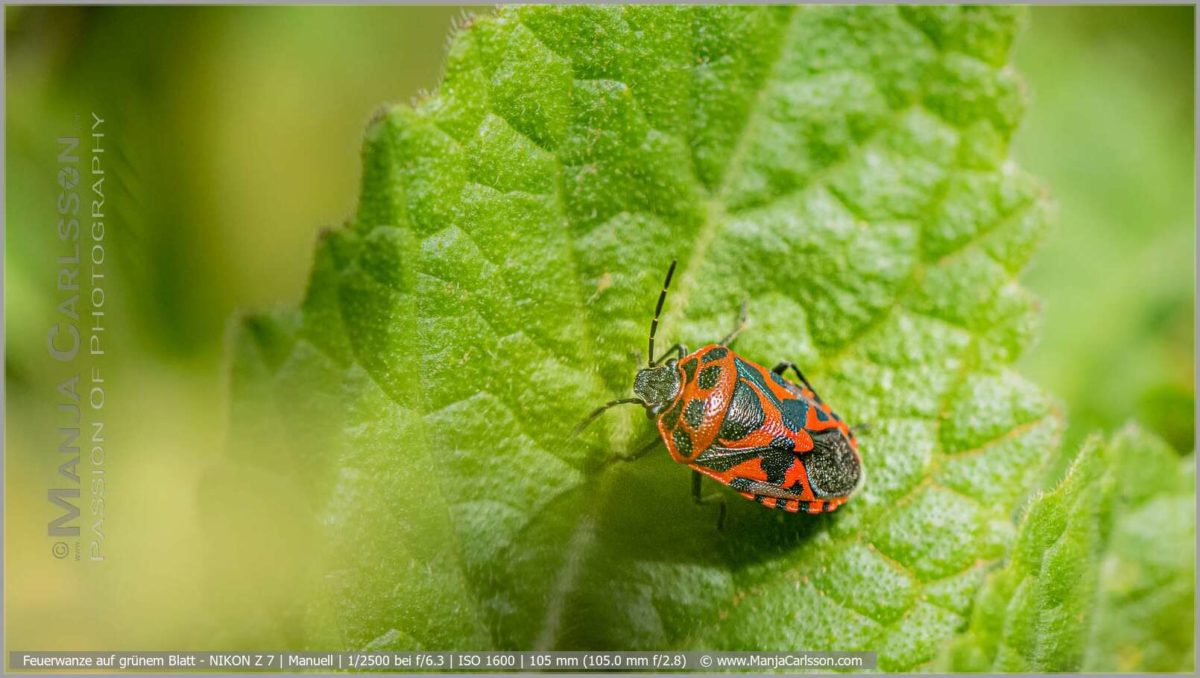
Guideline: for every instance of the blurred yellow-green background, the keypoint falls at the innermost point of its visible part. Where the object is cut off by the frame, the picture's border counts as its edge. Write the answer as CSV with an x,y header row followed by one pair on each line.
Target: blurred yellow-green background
x,y
235,135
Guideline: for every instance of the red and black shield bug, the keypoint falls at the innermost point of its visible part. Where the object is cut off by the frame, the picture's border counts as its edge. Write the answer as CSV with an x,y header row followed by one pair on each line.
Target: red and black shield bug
x,y
730,419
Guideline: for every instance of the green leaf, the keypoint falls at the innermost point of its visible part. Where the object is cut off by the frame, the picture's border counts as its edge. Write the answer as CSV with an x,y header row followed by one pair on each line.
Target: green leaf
x,y
1144,619
843,168
1101,577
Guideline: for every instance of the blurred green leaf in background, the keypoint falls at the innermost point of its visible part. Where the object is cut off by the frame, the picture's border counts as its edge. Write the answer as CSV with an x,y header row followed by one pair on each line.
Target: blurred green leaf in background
x,y
236,135
1110,129
236,126
239,131
1100,577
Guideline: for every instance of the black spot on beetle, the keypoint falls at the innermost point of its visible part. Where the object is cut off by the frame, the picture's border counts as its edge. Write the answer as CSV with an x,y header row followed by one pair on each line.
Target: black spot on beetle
x,y
741,484
670,418
720,458
794,413
689,370
745,414
709,377
683,442
695,413
715,355
776,460
745,371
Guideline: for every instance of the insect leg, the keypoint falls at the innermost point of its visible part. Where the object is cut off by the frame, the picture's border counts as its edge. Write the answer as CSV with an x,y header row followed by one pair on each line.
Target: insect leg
x,y
699,499
643,450
781,367
600,410
741,325
678,349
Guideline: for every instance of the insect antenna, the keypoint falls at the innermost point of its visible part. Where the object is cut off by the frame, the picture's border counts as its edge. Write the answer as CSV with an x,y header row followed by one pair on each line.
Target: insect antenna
x,y
600,410
658,311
